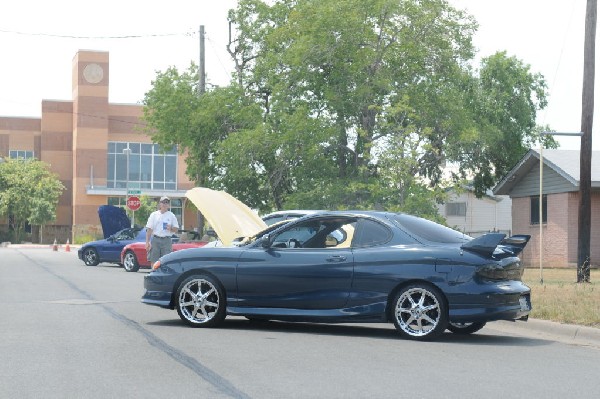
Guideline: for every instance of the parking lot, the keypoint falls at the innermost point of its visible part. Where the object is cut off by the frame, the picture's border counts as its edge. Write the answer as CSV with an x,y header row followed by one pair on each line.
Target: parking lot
x,y
69,330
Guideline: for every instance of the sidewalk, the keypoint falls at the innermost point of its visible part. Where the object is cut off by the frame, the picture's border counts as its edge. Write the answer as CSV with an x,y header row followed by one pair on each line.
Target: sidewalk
x,y
550,330
61,247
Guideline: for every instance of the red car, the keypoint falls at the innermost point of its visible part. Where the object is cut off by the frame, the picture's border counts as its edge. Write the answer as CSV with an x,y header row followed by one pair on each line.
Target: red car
x,y
134,256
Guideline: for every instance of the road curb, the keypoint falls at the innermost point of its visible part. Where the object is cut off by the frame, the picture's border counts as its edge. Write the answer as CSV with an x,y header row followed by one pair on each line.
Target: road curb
x,y
544,329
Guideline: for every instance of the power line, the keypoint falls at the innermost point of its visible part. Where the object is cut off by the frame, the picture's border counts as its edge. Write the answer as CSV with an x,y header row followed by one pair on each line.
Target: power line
x,y
190,33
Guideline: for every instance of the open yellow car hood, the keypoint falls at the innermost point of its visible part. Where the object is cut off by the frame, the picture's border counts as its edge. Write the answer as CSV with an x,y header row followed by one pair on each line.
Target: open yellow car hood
x,y
229,217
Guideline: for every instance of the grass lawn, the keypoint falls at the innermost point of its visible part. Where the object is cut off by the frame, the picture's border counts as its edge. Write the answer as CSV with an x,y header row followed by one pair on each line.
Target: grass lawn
x,y
561,299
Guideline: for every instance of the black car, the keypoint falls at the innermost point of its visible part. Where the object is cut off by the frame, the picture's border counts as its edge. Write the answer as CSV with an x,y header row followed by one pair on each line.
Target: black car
x,y
350,267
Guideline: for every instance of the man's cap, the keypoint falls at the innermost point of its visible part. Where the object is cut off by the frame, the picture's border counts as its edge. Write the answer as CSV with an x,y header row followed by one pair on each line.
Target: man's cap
x,y
165,199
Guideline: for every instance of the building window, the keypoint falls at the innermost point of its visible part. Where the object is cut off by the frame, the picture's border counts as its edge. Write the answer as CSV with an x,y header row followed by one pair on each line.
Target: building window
x,y
149,167
18,154
535,209
456,209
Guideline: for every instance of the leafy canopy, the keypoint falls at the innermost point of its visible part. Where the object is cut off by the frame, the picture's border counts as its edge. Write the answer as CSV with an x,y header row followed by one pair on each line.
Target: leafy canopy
x,y
350,104
29,192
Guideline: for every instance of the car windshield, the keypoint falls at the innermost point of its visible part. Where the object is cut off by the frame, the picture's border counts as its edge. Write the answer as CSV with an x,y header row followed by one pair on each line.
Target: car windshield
x,y
429,230
127,234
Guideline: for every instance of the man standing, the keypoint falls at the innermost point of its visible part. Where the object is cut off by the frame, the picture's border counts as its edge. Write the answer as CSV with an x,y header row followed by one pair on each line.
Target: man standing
x,y
159,229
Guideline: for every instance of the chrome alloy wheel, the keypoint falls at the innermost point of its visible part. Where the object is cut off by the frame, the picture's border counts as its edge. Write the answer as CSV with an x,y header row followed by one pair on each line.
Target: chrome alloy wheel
x,y
418,312
130,262
198,301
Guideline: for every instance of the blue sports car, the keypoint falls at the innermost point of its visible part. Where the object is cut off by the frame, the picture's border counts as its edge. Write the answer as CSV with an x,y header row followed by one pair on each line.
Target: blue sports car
x,y
109,249
349,267
117,234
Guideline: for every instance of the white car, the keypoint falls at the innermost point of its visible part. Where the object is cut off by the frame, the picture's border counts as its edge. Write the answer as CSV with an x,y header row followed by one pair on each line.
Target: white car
x,y
278,216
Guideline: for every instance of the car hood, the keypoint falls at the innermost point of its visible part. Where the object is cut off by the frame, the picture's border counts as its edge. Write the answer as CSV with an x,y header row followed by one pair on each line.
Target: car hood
x,y
229,217
112,219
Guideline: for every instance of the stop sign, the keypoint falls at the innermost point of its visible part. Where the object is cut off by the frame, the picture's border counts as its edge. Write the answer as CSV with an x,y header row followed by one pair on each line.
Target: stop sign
x,y
133,203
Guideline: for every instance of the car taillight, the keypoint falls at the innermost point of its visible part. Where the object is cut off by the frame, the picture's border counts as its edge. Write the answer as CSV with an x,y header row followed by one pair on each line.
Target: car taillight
x,y
156,265
496,271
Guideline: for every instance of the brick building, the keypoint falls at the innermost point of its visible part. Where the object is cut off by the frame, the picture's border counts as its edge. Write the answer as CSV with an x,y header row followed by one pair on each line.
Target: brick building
x,y
98,151
560,206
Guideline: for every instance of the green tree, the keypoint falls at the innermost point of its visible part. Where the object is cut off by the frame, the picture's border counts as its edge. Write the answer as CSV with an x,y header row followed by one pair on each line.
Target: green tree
x,y
140,217
29,192
504,101
343,82
350,104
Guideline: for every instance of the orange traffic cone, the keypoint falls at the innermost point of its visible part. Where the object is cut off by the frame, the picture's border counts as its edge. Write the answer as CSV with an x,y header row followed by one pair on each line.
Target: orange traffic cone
x,y
67,247
55,246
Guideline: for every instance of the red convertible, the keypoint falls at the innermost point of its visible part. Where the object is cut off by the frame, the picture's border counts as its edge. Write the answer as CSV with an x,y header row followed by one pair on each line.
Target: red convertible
x,y
134,256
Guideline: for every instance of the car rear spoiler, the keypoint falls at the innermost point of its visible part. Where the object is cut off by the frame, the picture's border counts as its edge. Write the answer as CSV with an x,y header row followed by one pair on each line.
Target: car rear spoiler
x,y
489,244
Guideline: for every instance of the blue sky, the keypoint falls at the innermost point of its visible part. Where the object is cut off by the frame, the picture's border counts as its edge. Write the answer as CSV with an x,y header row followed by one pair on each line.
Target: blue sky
x,y
36,55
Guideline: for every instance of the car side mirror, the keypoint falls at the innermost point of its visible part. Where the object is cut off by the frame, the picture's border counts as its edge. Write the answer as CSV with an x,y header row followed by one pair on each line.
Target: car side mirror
x,y
211,233
266,241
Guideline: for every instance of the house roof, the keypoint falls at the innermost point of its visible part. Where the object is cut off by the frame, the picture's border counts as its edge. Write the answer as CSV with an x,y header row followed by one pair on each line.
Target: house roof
x,y
563,162
469,187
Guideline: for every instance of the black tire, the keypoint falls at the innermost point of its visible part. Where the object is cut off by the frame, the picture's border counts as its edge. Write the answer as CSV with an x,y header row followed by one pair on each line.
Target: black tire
x,y
130,262
200,301
465,328
90,257
419,312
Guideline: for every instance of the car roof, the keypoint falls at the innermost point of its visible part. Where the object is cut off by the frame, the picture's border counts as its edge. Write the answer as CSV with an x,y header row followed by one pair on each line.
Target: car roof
x,y
291,212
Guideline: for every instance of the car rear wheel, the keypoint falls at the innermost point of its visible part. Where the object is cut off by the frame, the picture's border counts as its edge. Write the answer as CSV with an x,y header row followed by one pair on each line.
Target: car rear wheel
x,y
201,301
90,257
465,328
130,262
419,312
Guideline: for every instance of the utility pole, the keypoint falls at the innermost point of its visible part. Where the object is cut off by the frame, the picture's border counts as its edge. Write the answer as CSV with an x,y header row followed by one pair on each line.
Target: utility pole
x,y
585,159
201,91
201,71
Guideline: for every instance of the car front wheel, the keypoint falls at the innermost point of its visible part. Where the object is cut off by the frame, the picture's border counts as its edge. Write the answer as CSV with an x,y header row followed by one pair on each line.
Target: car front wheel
x,y
90,257
419,312
130,262
201,301
465,328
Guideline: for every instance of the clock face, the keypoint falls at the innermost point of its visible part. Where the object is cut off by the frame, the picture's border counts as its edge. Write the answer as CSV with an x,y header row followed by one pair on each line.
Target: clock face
x,y
93,73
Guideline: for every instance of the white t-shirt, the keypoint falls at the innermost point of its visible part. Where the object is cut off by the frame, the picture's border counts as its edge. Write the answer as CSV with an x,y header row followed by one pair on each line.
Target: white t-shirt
x,y
158,223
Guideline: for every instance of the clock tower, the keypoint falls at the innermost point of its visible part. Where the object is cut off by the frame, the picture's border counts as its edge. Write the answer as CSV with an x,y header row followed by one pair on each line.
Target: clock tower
x,y
90,129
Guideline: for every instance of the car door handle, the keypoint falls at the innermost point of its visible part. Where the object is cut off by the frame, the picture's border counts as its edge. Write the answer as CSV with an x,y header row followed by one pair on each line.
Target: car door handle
x,y
336,258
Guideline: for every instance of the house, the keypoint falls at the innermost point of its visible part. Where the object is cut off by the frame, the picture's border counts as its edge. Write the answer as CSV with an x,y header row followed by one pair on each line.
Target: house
x,y
560,206
476,216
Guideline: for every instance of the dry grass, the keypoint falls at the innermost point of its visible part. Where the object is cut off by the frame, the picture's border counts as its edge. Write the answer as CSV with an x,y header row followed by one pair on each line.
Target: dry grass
x,y
561,299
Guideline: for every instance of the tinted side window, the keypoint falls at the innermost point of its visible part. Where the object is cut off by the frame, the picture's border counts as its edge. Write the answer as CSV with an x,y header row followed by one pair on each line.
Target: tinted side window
x,y
429,230
370,233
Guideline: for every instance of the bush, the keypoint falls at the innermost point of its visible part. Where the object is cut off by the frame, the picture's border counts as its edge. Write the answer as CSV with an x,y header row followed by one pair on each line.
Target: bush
x,y
83,238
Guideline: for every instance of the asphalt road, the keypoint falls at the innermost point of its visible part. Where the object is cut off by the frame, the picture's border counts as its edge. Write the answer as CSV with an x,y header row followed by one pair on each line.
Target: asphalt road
x,y
72,331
